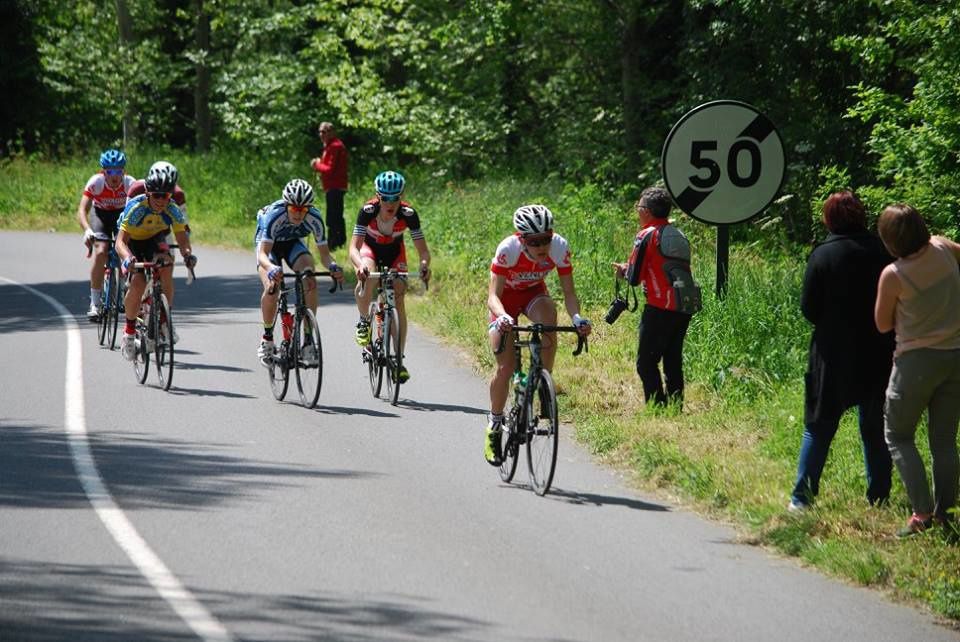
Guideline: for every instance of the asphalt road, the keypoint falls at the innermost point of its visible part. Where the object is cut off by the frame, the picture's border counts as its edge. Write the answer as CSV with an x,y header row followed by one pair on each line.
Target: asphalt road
x,y
214,512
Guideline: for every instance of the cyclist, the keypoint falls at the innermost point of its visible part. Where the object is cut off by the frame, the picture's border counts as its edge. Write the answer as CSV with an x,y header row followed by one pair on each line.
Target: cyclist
x,y
144,225
107,192
378,240
517,274
179,196
281,226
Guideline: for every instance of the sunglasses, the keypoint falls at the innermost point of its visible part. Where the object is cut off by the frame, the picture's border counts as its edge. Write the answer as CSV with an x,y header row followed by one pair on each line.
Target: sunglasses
x,y
538,241
113,172
389,199
161,196
298,209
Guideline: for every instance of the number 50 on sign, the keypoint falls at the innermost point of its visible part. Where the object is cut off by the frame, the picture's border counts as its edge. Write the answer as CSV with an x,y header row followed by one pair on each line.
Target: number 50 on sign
x,y
723,162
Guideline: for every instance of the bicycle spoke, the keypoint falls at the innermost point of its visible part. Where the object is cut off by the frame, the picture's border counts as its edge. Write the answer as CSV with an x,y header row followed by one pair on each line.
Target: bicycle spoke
x,y
309,358
542,433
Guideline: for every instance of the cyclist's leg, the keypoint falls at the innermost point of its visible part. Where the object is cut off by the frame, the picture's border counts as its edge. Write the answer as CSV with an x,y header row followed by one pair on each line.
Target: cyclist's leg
x,y
500,381
268,302
300,259
103,224
542,309
364,294
166,274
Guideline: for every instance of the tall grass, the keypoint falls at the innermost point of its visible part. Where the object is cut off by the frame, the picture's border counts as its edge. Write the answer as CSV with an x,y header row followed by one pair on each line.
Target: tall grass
x,y
731,452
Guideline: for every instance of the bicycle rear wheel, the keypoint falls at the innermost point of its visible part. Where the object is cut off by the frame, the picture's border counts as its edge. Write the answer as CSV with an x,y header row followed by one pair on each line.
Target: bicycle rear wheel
x,y
391,355
116,304
163,341
141,358
509,447
310,371
375,355
279,369
542,433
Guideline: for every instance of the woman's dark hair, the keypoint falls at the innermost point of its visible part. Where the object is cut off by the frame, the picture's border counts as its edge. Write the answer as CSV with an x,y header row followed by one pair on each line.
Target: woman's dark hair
x,y
843,213
902,230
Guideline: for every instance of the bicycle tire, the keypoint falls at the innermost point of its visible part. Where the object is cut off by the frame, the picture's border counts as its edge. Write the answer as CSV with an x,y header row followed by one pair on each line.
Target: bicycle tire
x,y
163,342
509,447
113,312
279,369
542,433
103,308
141,358
392,358
309,377
375,357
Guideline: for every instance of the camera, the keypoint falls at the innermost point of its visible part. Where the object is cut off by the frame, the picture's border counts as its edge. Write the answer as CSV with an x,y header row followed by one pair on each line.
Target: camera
x,y
615,310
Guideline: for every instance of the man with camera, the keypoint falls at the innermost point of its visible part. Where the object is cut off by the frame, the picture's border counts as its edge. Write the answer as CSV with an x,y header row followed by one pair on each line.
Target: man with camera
x,y
660,264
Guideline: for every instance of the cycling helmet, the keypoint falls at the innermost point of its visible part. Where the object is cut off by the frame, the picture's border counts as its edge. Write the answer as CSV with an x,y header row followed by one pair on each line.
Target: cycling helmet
x,y
298,192
164,166
161,179
389,184
533,219
113,158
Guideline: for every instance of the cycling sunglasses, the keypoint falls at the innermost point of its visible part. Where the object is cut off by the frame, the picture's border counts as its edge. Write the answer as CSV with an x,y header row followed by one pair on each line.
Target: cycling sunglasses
x,y
160,195
113,172
538,241
389,199
298,209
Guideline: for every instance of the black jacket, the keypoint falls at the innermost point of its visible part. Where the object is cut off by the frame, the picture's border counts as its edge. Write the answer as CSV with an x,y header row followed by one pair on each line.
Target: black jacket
x,y
849,359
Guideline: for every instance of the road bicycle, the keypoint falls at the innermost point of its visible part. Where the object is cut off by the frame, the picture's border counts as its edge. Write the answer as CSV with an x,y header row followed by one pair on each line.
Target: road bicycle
x,y
154,329
532,420
299,330
111,300
382,355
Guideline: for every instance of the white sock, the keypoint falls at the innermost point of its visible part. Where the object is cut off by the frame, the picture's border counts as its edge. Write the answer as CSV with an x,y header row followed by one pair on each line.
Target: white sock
x,y
94,296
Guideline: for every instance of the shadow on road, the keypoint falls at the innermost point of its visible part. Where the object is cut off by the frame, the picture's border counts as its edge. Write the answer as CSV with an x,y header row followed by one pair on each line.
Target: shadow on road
x,y
140,470
441,407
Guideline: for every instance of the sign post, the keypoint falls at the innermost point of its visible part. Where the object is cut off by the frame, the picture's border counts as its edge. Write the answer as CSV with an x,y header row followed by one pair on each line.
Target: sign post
x,y
723,163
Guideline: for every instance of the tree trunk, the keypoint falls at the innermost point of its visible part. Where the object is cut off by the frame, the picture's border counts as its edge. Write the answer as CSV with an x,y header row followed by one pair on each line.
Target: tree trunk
x,y
125,28
201,94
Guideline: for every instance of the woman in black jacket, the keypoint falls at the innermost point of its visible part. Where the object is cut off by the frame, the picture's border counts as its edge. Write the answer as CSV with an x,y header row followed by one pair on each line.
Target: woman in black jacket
x,y
849,361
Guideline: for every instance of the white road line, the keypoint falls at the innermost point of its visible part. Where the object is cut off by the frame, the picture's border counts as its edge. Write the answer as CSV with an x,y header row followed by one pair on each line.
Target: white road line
x,y
198,618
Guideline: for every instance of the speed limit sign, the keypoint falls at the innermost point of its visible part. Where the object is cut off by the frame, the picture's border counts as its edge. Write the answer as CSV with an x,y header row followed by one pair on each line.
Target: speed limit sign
x,y
723,162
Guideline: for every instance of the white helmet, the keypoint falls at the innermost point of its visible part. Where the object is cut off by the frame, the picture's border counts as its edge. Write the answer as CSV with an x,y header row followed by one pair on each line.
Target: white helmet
x,y
533,219
298,193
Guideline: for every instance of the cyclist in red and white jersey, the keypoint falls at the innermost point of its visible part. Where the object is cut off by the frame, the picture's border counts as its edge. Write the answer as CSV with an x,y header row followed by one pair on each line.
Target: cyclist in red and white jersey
x,y
517,273
378,240
106,192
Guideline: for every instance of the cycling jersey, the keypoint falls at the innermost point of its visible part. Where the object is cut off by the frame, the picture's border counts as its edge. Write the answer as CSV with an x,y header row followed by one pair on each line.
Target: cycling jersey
x,y
377,234
523,272
141,222
273,224
105,197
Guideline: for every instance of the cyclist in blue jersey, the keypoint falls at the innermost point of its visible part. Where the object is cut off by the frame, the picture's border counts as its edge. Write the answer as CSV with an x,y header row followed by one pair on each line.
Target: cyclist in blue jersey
x,y
281,228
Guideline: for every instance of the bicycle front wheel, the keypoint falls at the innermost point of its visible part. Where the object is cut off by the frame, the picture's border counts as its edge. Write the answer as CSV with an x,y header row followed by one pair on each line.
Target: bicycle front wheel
x,y
116,304
279,368
374,355
103,305
163,342
509,447
542,433
141,358
391,355
308,353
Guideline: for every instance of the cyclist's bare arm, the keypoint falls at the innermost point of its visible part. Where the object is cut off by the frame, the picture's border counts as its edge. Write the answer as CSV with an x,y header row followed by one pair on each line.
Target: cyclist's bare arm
x,y
83,210
183,241
263,255
570,301
123,250
424,252
495,290
355,244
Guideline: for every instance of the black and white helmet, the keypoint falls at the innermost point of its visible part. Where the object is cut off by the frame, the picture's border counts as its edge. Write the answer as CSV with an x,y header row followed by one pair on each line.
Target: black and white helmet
x,y
533,219
162,177
298,193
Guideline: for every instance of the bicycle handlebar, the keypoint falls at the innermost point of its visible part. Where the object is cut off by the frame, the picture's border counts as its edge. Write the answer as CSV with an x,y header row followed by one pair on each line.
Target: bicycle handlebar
x,y
582,343
395,274
301,275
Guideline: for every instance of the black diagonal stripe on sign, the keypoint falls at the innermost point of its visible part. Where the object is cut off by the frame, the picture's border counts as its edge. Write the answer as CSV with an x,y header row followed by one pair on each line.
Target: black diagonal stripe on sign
x,y
760,128
690,199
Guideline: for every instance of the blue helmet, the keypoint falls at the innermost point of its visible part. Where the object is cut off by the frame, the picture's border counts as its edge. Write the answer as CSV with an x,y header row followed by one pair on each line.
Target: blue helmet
x,y
389,185
113,158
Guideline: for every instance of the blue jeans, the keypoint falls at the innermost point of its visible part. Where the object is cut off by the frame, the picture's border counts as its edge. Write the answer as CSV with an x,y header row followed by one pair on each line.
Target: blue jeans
x,y
816,445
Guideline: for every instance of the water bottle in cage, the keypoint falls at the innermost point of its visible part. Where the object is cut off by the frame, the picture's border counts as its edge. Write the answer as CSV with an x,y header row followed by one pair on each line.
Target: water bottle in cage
x,y
286,320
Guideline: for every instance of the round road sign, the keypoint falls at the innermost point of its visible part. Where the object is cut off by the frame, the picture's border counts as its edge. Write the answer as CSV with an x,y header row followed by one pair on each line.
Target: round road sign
x,y
723,162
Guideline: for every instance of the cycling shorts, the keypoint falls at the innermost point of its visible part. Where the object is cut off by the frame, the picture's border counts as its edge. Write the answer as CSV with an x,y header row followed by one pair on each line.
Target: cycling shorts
x,y
147,249
393,256
289,251
104,223
516,302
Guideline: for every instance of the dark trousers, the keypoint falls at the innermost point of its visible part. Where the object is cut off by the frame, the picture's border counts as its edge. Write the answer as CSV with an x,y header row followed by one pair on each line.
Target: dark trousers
x,y
661,338
815,446
336,230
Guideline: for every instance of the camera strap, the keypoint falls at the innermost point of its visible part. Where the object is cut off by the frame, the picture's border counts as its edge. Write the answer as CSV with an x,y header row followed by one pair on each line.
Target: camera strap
x,y
631,290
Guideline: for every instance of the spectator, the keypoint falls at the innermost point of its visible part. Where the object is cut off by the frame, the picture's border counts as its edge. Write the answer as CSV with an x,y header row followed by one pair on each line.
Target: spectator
x,y
849,360
919,296
333,174
660,261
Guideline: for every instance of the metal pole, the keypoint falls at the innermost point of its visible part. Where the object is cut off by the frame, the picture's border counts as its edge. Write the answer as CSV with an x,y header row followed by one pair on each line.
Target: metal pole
x,y
723,259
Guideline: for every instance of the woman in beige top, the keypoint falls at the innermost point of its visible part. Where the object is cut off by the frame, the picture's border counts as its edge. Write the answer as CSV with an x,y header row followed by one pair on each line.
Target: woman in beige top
x,y
919,296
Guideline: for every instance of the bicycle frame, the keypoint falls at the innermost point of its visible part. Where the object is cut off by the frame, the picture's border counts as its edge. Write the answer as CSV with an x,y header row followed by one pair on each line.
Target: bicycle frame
x,y
383,355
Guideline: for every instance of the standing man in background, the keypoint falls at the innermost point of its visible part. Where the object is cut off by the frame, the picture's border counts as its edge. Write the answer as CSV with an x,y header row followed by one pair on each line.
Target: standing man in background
x,y
332,167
